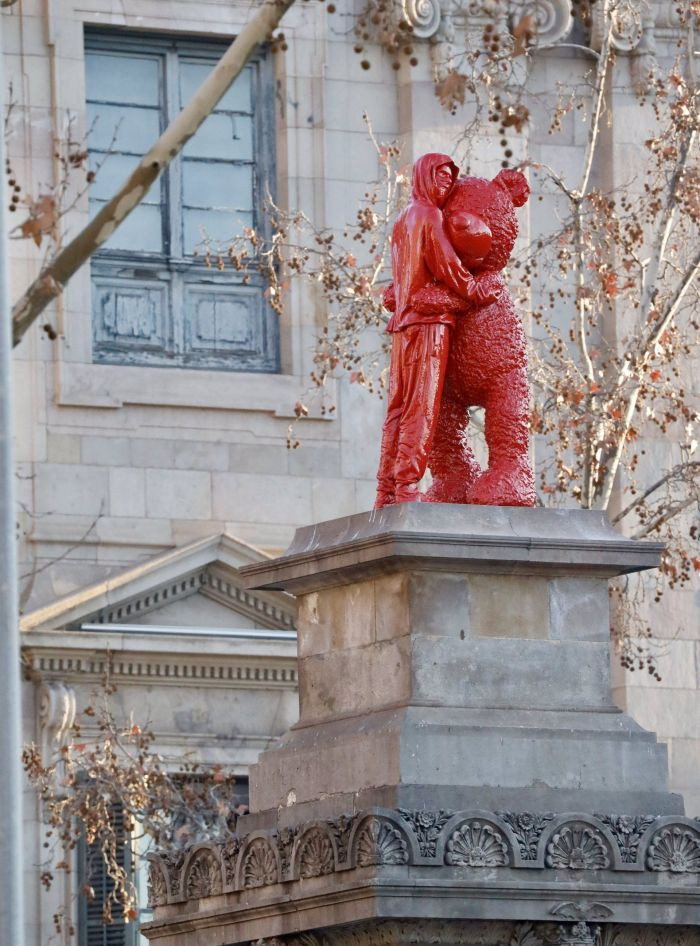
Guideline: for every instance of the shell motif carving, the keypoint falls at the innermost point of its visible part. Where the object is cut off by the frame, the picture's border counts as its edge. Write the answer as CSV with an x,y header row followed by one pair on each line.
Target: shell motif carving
x,y
203,876
424,17
316,855
379,842
675,849
476,844
157,886
259,865
577,847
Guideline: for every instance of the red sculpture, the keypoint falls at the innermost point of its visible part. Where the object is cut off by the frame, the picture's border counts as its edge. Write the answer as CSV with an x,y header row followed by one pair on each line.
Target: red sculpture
x,y
456,343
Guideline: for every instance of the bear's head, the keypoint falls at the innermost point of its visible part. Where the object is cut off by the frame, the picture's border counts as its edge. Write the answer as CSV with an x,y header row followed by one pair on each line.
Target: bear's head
x,y
481,220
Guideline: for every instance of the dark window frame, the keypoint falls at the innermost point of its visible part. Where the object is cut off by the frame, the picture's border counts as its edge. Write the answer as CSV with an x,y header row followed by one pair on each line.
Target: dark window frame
x,y
170,290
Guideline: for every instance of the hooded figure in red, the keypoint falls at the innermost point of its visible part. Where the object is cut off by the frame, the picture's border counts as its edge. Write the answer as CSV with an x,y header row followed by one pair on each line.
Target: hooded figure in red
x,y
422,257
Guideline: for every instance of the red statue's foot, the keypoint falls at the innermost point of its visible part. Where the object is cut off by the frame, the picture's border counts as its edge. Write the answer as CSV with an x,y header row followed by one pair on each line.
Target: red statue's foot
x,y
384,498
452,489
508,484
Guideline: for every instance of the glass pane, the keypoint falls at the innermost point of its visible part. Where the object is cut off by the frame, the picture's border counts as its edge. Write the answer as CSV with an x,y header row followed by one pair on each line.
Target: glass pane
x,y
132,80
114,170
141,231
217,185
192,74
136,129
223,136
219,226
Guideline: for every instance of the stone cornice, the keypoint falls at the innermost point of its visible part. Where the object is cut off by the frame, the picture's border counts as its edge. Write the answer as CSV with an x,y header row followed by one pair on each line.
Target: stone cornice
x,y
82,656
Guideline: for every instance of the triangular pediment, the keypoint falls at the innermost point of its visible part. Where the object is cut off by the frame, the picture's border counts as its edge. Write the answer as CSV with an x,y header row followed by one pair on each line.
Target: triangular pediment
x,y
196,585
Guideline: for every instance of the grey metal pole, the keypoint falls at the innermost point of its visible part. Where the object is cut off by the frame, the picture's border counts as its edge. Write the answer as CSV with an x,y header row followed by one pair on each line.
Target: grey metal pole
x,y
11,820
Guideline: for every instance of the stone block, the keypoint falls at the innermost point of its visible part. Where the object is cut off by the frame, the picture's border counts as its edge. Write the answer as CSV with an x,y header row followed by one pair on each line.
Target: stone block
x,y
513,606
392,607
381,676
258,458
153,453
63,448
337,619
516,674
275,499
133,532
78,490
308,460
579,609
439,604
182,493
198,455
127,492
332,497
105,451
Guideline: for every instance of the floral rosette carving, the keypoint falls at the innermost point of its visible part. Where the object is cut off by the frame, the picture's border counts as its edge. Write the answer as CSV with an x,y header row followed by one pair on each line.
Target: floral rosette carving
x,y
379,842
675,849
341,829
203,876
476,844
285,843
577,847
528,829
259,865
627,831
427,826
316,854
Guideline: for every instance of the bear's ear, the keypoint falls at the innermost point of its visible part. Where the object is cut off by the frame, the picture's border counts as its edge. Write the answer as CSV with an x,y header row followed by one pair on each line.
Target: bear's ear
x,y
516,185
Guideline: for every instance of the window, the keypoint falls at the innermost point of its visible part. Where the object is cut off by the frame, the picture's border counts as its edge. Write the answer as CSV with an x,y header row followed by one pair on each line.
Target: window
x,y
154,301
92,929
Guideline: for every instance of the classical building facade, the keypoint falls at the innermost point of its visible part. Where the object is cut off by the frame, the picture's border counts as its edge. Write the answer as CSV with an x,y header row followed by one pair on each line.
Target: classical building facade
x,y
152,418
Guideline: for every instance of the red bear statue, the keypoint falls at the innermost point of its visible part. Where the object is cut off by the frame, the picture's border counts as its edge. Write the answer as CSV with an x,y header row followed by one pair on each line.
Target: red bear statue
x,y
487,358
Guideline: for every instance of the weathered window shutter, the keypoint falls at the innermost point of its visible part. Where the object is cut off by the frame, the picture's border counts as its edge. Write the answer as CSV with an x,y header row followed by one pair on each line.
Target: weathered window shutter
x,y
92,930
154,301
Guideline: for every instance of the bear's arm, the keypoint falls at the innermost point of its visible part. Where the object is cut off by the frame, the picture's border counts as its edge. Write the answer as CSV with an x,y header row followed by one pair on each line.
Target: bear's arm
x,y
443,262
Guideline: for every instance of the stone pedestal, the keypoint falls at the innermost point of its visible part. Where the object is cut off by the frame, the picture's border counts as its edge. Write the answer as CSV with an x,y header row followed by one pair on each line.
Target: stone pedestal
x,y
459,772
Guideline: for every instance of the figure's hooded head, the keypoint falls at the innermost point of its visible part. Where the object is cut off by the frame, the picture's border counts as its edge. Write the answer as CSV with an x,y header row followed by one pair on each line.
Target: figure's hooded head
x,y
433,177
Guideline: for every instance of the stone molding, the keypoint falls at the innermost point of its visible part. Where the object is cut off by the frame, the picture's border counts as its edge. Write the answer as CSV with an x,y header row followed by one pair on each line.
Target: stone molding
x,y
190,668
211,582
572,842
479,933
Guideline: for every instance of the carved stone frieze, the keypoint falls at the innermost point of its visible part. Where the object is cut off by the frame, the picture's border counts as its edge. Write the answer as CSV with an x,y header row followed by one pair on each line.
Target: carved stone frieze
x,y
426,826
675,849
440,841
577,847
380,842
476,844
627,831
495,933
259,864
316,854
157,884
202,875
527,828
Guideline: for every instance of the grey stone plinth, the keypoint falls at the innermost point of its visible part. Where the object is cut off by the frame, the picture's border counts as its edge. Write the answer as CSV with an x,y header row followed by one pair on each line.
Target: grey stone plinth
x,y
435,536
459,775
460,650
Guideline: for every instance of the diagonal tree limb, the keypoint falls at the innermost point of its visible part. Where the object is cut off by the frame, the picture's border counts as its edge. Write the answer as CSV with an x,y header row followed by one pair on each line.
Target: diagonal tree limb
x,y
53,277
